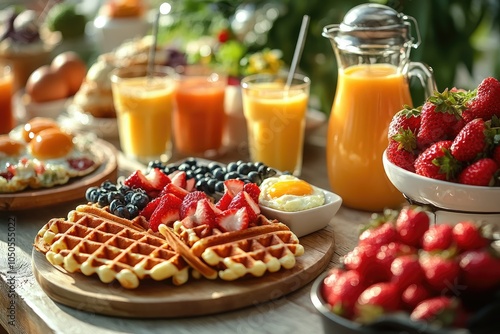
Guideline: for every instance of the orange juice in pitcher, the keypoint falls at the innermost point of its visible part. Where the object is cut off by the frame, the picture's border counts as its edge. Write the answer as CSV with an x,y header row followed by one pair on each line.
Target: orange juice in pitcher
x,y
372,47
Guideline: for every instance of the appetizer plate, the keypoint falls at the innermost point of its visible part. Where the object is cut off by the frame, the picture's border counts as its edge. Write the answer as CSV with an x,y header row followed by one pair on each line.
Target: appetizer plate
x,y
74,189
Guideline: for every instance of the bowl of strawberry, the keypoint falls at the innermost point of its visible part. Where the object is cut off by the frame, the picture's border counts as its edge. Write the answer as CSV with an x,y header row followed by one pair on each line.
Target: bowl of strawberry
x,y
408,275
446,152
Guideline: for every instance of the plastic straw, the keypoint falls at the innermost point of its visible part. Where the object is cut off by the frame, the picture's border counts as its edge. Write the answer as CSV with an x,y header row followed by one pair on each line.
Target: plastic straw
x,y
152,50
298,49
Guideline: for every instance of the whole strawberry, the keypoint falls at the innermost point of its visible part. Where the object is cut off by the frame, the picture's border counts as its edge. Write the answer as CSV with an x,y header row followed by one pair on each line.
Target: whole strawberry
x,y
437,162
441,271
377,300
438,237
479,173
469,235
441,311
411,224
441,113
405,119
398,155
343,292
480,269
486,103
472,141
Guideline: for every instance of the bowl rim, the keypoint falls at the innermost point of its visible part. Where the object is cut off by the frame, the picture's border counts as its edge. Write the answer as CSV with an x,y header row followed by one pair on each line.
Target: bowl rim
x,y
438,182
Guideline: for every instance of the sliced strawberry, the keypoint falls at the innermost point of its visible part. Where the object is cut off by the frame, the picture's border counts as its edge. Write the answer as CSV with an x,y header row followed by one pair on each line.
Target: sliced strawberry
x,y
232,220
190,184
173,189
157,178
188,206
244,200
188,222
205,213
224,201
150,208
252,189
233,186
138,180
179,178
167,211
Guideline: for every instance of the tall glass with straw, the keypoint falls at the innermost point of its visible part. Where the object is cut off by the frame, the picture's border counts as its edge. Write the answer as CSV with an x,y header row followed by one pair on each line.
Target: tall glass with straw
x,y
275,108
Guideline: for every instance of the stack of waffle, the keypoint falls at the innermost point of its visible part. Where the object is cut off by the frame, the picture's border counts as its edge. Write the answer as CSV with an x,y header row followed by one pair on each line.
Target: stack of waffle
x,y
93,241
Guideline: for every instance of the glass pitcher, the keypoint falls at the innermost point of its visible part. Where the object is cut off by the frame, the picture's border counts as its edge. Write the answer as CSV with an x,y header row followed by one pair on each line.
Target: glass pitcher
x,y
372,47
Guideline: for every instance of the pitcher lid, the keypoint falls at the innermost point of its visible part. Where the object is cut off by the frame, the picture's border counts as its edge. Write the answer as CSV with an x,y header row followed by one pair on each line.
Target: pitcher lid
x,y
373,24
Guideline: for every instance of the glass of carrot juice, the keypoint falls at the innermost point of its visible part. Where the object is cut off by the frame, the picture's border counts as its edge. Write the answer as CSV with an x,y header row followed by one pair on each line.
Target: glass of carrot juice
x,y
199,117
144,101
6,91
275,111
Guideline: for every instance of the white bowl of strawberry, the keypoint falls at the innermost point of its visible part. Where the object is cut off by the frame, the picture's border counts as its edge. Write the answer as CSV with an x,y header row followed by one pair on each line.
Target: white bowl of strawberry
x,y
446,153
408,275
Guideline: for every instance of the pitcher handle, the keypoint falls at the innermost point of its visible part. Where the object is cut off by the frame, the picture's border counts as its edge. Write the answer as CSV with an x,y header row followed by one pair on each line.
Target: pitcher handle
x,y
425,76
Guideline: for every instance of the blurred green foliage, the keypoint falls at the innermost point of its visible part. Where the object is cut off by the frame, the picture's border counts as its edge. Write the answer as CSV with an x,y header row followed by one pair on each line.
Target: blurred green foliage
x,y
451,31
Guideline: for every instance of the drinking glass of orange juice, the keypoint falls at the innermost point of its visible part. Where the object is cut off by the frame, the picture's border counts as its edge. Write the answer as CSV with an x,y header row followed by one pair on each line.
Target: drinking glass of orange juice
x,y
144,101
276,115
6,91
199,118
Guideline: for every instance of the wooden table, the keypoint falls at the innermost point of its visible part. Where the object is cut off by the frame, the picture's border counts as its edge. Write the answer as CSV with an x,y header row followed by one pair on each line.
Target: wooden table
x,y
34,312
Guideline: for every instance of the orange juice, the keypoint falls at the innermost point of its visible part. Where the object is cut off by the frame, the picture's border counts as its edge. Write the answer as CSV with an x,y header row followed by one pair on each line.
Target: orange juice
x,y
6,91
276,121
144,113
199,118
367,98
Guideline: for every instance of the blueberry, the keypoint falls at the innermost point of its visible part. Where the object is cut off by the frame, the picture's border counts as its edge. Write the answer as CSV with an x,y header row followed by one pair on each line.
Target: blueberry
x,y
255,177
202,185
232,175
103,199
219,174
115,195
124,189
128,196
140,200
191,161
184,167
232,167
211,185
213,166
121,211
108,185
132,210
219,187
244,169
113,206
92,194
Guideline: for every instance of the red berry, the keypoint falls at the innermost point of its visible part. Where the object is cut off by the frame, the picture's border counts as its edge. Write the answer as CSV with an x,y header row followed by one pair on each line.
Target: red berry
x,y
344,293
479,173
414,294
441,310
480,270
438,237
441,273
468,235
377,300
437,162
378,234
411,224
406,270
486,103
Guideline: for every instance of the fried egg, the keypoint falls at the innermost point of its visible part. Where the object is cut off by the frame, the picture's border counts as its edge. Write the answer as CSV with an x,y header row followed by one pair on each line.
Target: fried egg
x,y
289,193
10,147
35,125
51,143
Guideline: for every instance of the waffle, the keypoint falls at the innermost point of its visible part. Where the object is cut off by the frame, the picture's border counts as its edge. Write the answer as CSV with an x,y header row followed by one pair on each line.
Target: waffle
x,y
267,247
91,242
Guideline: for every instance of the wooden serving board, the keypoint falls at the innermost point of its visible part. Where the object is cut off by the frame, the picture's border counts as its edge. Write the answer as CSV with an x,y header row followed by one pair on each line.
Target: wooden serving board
x,y
194,298
74,189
